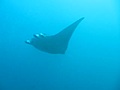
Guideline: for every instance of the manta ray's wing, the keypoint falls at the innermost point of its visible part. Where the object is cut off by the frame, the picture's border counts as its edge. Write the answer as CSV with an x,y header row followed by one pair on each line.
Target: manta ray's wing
x,y
61,39
68,31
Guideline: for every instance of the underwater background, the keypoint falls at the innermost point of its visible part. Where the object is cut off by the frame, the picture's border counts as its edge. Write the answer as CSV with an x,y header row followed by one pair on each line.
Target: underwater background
x,y
92,60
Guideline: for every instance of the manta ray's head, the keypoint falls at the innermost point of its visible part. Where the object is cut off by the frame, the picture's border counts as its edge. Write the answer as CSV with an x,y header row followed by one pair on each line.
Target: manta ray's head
x,y
44,43
38,41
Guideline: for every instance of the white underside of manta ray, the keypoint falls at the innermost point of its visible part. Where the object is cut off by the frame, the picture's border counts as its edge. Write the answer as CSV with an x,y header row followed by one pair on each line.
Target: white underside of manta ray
x,y
54,44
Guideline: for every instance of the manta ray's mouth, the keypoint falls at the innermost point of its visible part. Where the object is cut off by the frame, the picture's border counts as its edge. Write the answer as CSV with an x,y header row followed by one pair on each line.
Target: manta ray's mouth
x,y
36,35
39,35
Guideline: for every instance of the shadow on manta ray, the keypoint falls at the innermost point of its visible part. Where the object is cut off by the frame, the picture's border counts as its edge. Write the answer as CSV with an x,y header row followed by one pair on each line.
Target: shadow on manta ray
x,y
54,44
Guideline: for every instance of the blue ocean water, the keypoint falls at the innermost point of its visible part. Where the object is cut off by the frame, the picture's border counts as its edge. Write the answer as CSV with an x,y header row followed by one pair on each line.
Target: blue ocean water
x,y
92,60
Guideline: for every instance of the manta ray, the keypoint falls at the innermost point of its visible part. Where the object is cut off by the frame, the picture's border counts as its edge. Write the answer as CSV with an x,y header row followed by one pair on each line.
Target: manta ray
x,y
54,44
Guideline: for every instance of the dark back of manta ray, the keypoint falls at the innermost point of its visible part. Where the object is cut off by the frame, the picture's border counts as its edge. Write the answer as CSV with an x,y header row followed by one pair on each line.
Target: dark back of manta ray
x,y
58,43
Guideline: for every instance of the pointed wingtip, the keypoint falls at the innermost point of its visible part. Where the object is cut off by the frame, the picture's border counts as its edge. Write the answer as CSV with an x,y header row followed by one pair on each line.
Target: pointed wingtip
x,y
78,21
81,18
